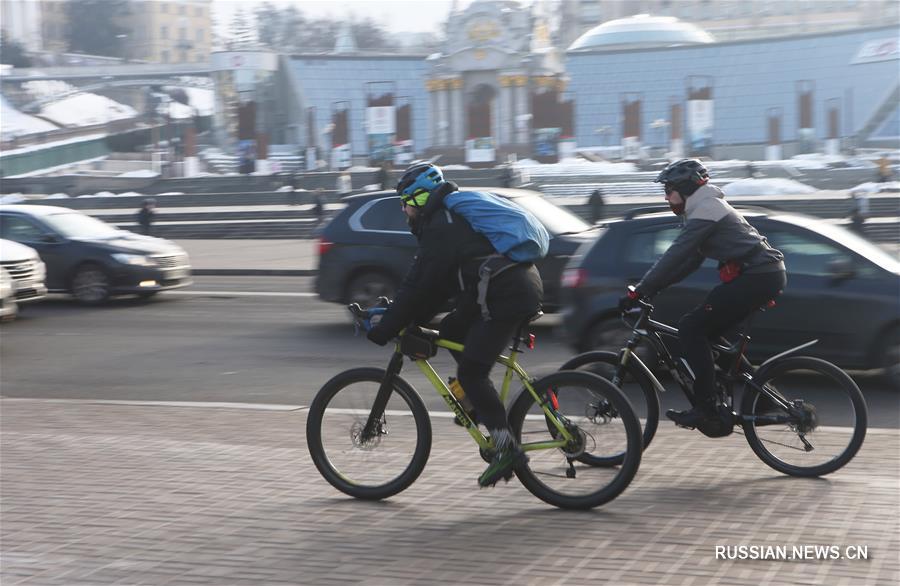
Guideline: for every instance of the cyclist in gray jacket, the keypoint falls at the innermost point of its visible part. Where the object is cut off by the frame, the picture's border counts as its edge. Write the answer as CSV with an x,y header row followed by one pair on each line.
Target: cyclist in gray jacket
x,y
751,271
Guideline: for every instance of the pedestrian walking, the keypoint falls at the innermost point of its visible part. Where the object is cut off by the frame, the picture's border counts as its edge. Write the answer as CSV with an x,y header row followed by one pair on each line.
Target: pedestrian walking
x,y
597,205
884,169
318,206
146,215
859,211
383,176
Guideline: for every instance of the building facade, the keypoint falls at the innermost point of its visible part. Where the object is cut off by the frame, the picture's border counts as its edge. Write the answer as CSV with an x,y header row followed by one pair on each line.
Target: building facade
x,y
731,20
170,31
21,22
761,98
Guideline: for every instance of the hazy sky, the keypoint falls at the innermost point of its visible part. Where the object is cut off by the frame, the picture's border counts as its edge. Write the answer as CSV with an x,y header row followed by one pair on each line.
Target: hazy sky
x,y
394,15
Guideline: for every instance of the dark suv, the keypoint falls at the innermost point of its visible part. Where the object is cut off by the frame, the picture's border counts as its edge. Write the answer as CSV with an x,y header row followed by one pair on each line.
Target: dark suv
x,y
366,249
841,289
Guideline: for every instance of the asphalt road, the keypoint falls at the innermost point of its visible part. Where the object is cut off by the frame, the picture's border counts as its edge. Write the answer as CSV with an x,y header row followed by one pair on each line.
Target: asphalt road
x,y
234,339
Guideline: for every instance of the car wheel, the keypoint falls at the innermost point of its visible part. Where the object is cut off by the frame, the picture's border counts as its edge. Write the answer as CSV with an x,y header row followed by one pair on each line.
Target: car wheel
x,y
90,285
366,288
889,359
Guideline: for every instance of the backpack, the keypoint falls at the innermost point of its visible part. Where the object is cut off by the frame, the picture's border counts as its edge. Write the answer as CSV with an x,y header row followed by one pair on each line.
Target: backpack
x,y
513,231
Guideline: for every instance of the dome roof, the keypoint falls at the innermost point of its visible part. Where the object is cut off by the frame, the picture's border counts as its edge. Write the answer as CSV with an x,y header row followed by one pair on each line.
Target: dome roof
x,y
641,31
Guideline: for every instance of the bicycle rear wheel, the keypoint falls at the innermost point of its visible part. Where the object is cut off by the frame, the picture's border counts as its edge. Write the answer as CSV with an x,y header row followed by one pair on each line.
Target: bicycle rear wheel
x,y
569,477
822,431
382,464
636,385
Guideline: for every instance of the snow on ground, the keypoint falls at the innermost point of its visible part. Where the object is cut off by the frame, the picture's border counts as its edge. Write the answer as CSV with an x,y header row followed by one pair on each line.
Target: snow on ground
x,y
14,123
774,186
575,167
140,173
12,198
86,110
80,109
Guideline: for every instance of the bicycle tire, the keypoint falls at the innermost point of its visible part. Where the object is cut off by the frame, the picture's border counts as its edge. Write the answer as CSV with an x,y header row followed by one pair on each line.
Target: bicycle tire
x,y
350,422
627,427
648,390
793,367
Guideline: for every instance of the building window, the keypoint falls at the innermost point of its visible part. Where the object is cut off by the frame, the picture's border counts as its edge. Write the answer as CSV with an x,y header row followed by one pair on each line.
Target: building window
x,y
199,35
198,11
182,33
164,7
165,56
181,9
164,32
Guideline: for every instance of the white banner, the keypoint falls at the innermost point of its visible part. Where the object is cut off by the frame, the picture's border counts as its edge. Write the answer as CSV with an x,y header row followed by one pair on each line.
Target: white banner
x,y
380,120
340,157
773,152
480,150
700,125
880,50
403,152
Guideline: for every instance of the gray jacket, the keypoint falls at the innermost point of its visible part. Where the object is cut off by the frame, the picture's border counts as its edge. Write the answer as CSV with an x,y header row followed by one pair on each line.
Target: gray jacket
x,y
712,229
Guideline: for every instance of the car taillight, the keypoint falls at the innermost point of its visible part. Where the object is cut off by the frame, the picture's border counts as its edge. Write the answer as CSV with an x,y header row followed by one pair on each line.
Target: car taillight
x,y
574,278
324,246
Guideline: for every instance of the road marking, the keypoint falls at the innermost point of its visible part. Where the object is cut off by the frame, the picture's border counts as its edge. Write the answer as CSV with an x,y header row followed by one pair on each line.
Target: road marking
x,y
279,407
240,294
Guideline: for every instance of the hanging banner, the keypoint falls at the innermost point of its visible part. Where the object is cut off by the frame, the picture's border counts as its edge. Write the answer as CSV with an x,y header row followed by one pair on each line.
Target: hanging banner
x,y
700,126
480,150
381,126
340,157
546,143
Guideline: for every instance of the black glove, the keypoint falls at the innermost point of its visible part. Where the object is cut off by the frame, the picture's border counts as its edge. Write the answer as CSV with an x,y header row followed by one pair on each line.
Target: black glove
x,y
630,300
379,334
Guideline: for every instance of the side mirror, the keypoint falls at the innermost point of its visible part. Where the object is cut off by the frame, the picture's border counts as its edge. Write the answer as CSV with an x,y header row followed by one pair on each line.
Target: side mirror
x,y
840,269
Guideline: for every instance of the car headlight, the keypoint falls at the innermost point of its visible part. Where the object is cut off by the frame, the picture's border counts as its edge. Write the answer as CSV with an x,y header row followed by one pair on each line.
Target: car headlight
x,y
134,259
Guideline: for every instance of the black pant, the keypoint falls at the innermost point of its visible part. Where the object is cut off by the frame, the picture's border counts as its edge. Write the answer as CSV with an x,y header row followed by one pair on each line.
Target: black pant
x,y
725,306
484,341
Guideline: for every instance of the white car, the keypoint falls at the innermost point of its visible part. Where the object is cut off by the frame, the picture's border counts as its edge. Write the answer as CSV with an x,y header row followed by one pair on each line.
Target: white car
x,y
26,269
8,306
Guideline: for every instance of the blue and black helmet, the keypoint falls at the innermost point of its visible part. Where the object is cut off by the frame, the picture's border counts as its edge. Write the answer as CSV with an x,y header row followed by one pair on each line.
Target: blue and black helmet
x,y
417,183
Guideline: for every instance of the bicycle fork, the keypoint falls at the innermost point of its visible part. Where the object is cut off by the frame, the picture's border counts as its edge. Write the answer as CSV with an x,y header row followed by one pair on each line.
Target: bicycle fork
x,y
375,423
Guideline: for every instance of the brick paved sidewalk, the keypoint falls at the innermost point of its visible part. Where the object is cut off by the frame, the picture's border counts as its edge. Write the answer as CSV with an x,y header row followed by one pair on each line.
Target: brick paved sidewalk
x,y
113,494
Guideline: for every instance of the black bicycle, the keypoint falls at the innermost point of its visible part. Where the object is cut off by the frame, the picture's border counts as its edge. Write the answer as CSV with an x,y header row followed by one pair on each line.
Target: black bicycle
x,y
801,415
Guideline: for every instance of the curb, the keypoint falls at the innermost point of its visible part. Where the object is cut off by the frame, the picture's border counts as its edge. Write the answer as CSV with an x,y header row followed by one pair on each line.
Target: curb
x,y
254,272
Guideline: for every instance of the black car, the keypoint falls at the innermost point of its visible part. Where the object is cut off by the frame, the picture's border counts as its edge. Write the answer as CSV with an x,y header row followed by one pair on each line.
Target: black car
x,y
841,289
91,259
366,249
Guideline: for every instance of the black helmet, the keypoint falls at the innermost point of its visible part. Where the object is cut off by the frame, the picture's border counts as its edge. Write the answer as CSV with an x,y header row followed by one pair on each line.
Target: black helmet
x,y
684,170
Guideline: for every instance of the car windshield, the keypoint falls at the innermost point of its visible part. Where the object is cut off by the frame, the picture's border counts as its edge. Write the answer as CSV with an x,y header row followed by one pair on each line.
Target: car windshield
x,y
855,243
77,225
554,218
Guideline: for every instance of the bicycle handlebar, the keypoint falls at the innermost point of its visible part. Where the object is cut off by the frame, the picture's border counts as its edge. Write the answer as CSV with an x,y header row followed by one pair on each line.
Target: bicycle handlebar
x,y
362,318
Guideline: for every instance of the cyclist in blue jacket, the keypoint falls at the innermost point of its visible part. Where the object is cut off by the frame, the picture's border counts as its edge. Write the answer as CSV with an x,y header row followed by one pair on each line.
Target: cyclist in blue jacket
x,y
446,265
752,273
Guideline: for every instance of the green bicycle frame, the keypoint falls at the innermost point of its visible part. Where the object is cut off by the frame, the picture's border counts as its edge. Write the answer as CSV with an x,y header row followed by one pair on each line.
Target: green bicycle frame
x,y
512,367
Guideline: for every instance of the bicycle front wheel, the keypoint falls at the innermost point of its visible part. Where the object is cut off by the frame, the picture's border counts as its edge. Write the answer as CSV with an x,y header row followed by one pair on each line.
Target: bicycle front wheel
x,y
372,465
569,477
636,385
823,429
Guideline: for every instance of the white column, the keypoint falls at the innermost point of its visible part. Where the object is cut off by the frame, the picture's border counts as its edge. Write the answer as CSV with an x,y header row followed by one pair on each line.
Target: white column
x,y
457,131
495,120
522,128
442,119
507,126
